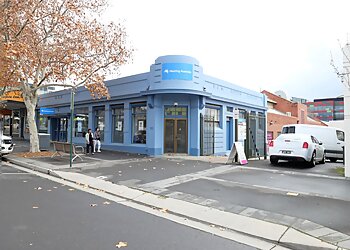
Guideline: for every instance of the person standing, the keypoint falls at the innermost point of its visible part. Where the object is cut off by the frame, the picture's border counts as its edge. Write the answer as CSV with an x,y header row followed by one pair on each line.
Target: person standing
x,y
97,137
89,138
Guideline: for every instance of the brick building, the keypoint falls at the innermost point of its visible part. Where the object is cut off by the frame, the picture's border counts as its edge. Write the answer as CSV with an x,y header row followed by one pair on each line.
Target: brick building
x,y
328,109
282,112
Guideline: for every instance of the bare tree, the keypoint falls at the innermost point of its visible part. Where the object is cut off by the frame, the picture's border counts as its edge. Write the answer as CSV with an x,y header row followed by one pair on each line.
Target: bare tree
x,y
58,43
343,75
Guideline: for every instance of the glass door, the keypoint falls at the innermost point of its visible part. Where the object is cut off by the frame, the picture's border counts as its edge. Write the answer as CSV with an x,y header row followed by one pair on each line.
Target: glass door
x,y
181,136
175,136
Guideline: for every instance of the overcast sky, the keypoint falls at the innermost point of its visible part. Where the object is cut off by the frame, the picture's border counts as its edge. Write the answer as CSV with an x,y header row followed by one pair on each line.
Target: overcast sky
x,y
260,44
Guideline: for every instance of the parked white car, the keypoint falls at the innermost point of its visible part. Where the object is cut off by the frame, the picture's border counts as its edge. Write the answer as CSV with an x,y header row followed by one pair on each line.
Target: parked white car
x,y
6,145
297,147
333,139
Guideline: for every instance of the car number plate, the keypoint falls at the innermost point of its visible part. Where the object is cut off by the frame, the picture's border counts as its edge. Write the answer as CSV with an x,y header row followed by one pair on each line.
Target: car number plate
x,y
286,151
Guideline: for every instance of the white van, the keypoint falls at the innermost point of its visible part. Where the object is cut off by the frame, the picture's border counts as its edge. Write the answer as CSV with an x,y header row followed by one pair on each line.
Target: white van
x,y
333,139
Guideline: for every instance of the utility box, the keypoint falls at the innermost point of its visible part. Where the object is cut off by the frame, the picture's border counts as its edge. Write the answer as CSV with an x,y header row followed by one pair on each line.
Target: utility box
x,y
44,141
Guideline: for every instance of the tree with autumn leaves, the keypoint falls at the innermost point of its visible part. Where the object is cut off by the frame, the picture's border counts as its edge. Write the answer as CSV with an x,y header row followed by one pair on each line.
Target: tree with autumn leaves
x,y
58,43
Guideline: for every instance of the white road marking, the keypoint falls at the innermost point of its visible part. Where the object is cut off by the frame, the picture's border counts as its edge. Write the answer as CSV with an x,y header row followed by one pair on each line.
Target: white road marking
x,y
173,181
277,171
281,190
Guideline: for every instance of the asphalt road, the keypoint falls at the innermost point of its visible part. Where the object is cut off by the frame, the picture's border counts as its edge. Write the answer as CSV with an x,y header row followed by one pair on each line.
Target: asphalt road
x,y
36,213
322,197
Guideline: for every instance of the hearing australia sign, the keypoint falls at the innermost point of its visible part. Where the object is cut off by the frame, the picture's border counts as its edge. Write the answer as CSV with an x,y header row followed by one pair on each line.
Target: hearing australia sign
x,y
177,71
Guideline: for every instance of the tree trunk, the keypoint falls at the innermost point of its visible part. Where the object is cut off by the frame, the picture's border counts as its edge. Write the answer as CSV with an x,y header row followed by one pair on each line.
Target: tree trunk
x,y
30,100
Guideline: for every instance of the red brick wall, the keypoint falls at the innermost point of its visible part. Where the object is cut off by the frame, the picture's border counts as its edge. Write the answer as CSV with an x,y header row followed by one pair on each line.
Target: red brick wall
x,y
275,122
284,105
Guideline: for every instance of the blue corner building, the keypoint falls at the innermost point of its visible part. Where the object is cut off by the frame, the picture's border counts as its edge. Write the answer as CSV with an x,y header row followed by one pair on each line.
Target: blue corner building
x,y
172,109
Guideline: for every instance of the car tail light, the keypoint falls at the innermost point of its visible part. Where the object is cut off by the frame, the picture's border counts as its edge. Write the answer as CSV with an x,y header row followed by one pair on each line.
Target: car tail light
x,y
271,144
305,145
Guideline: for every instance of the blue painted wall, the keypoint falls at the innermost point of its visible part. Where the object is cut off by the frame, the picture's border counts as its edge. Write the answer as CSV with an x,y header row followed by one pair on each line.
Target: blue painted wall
x,y
158,89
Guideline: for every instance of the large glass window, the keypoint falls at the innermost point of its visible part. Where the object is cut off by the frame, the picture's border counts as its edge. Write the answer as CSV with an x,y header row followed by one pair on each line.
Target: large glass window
x,y
43,124
100,121
139,114
118,124
81,121
213,112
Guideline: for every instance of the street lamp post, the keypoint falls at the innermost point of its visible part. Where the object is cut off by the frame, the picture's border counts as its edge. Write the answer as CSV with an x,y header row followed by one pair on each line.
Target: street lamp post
x,y
71,126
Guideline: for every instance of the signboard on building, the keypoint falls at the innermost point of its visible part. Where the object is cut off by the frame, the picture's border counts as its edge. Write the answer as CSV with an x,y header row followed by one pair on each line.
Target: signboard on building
x,y
47,111
14,95
177,71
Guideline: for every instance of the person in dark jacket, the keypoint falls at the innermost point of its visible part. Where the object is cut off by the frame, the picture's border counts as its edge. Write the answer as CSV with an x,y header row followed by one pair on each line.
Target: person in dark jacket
x,y
89,138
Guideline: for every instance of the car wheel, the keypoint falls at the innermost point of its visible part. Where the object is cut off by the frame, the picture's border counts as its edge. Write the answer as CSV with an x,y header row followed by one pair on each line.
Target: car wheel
x,y
323,161
273,161
312,162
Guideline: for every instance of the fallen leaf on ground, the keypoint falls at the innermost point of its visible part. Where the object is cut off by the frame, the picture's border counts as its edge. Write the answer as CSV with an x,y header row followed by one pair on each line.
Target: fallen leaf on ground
x,y
35,154
121,244
164,210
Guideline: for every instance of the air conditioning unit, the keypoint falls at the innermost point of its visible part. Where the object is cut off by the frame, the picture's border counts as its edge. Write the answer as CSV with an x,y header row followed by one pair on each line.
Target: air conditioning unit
x,y
289,113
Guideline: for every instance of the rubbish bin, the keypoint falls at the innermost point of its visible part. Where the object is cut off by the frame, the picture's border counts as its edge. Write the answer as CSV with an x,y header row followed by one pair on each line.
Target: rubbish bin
x,y
44,141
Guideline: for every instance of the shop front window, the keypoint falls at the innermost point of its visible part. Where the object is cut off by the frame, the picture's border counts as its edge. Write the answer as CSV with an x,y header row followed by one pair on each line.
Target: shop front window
x,y
118,124
81,121
139,115
43,124
214,113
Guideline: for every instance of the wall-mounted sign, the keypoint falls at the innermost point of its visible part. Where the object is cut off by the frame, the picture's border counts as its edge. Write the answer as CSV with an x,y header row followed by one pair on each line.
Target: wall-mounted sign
x,y
14,95
177,71
47,111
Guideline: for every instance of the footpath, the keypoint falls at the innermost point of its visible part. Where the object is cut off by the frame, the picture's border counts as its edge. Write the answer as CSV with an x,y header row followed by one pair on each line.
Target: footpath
x,y
267,235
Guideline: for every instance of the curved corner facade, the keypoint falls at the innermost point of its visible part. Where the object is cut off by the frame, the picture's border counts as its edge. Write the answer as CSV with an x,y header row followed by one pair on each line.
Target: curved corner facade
x,y
173,108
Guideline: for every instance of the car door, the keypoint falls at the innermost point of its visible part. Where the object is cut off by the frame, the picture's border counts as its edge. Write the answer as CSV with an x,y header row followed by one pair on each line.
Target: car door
x,y
318,148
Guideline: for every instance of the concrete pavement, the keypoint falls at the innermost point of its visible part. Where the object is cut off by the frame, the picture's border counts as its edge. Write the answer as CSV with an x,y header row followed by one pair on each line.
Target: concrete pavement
x,y
300,235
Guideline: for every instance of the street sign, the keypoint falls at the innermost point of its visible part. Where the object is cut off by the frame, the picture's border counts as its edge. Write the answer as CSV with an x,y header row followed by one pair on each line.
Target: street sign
x,y
47,111
177,71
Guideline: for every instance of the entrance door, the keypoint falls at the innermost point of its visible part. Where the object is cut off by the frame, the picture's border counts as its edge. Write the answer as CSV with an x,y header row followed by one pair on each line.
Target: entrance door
x,y
175,136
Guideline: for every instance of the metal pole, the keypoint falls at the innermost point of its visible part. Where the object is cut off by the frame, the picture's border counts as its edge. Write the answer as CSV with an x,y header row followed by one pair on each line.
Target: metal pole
x,y
71,127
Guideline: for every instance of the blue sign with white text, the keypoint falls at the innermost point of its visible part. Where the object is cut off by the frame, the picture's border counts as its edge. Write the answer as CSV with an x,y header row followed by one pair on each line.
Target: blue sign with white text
x,y
47,111
177,71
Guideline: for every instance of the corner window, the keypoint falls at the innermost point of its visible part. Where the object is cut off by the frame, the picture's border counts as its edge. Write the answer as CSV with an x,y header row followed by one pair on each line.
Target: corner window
x,y
139,115
118,124
81,121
